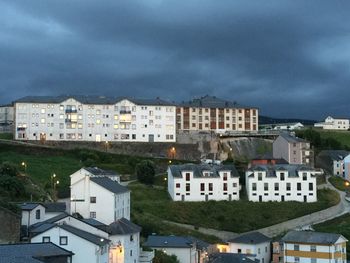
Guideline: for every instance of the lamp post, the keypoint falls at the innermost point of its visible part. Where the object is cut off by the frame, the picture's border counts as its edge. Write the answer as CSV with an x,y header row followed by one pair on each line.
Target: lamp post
x,y
106,145
25,167
173,152
54,184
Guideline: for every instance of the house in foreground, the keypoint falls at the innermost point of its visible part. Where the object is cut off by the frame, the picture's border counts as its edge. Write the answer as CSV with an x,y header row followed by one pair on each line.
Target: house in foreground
x,y
203,182
309,246
35,253
288,182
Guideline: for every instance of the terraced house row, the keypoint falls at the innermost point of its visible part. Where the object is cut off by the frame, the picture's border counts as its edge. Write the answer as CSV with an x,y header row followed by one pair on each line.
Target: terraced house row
x,y
98,118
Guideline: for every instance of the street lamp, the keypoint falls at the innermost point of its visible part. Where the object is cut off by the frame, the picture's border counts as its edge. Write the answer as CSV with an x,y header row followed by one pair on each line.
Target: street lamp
x,y
106,144
54,184
173,152
347,183
25,167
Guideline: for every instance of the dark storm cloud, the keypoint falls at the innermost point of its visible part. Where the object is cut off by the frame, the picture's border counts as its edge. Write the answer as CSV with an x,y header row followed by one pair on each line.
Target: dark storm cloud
x,y
290,58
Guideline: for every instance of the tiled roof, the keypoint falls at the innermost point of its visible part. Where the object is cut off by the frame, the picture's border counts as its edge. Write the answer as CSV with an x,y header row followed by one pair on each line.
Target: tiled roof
x,y
271,170
98,240
198,169
30,252
93,100
168,241
250,238
110,185
55,207
230,258
123,227
211,102
29,206
200,244
44,225
335,155
311,237
290,138
98,171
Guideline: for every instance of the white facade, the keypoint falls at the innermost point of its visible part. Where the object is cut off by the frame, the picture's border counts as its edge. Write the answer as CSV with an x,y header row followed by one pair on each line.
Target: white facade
x,y
84,251
331,123
306,253
68,119
91,200
261,251
281,183
33,216
213,182
288,126
346,174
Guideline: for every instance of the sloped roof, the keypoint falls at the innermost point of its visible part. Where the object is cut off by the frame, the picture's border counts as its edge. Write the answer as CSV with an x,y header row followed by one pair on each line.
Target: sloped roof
x,y
95,239
311,237
55,207
200,244
30,252
93,100
211,102
168,241
123,227
250,238
335,155
110,185
29,206
230,258
98,171
198,169
290,138
271,170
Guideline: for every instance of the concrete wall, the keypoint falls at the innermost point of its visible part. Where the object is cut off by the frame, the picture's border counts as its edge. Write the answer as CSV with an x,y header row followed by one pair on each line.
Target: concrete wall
x,y
10,226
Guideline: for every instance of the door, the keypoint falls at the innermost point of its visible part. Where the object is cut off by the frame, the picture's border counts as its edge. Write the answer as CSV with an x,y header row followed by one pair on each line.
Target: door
x,y
305,198
98,137
230,197
260,198
183,198
282,198
42,137
151,138
206,197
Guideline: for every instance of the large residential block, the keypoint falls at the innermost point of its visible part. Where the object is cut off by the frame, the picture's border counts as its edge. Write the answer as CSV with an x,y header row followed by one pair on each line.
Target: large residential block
x,y
97,194
87,118
289,182
203,182
213,114
293,149
331,123
314,247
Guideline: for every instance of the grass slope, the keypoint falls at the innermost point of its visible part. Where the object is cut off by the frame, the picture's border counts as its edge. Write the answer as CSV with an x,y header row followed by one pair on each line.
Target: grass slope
x,y
236,216
339,183
341,136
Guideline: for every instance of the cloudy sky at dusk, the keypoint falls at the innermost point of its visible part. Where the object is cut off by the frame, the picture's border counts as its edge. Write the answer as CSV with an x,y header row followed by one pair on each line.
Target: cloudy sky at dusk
x,y
289,58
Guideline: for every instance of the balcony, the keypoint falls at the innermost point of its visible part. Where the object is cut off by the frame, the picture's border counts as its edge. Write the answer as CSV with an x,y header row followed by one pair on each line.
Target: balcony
x,y
71,110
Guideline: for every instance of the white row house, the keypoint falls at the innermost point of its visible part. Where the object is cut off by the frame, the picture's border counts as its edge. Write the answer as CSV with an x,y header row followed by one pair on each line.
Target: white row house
x,y
289,182
94,118
331,123
97,194
203,182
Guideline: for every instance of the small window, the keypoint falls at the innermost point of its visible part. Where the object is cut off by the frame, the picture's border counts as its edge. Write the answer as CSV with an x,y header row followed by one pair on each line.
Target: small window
x,y
178,185
46,239
296,247
64,240
187,176
131,238
37,214
93,199
313,248
92,214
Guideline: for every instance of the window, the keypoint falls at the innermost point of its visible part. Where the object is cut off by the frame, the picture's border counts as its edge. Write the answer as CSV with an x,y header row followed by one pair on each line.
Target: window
x,y
288,186
131,238
234,185
276,186
93,199
311,186
225,177
313,260
177,185
210,186
296,259
130,253
254,187
259,251
299,186
37,214
187,176
46,239
296,247
63,240
92,214
313,248
282,176
188,187
266,186
225,187
304,176
202,187
259,176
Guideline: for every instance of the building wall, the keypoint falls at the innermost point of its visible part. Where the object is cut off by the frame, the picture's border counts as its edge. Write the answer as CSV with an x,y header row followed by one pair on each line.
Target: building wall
x,y
108,207
11,224
280,149
338,168
262,251
29,217
83,250
74,121
334,124
347,167
323,253
216,119
196,194
130,252
282,193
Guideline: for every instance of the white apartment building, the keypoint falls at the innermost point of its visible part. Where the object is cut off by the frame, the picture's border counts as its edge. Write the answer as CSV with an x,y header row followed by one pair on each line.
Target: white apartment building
x,y
254,244
100,119
210,113
288,182
203,182
97,194
314,247
331,123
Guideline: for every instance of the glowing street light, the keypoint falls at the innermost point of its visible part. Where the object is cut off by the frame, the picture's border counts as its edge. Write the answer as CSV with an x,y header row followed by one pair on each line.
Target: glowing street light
x,y
25,167
347,183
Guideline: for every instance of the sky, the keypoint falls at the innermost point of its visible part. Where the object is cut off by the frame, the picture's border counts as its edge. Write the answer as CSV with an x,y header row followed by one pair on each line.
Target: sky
x,y
289,58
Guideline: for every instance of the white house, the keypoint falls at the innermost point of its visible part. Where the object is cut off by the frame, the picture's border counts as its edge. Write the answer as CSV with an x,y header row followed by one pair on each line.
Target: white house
x,y
96,193
94,118
346,167
254,245
32,213
331,123
86,247
203,182
182,247
290,126
333,161
309,246
288,182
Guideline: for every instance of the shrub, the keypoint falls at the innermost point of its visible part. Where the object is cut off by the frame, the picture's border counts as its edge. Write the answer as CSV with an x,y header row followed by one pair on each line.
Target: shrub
x,y
9,169
161,257
145,172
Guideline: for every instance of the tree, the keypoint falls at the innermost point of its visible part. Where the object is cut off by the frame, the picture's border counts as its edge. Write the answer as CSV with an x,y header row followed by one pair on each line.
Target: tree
x,y
11,186
9,169
145,172
161,257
